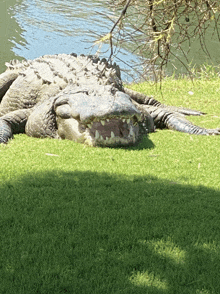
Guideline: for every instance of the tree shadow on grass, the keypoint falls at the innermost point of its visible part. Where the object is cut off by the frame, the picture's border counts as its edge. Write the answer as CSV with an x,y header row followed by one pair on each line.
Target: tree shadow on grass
x,y
86,232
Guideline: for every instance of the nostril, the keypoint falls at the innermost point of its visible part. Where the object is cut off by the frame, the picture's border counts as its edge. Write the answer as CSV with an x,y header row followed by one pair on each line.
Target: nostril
x,y
63,111
120,133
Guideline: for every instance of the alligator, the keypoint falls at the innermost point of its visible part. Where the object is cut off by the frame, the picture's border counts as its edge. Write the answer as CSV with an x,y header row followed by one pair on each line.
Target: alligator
x,y
81,98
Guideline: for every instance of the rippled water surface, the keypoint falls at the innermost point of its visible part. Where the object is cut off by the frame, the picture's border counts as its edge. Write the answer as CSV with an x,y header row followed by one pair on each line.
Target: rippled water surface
x,y
57,26
31,28
60,26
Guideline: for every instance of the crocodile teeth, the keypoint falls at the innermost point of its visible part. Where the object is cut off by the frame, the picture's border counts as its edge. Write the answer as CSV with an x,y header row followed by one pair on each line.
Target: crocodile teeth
x,y
131,133
112,135
128,120
106,138
107,120
89,125
103,122
96,134
101,138
123,119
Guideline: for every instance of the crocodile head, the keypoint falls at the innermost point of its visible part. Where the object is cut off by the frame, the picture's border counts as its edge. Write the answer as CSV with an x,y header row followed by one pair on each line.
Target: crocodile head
x,y
96,119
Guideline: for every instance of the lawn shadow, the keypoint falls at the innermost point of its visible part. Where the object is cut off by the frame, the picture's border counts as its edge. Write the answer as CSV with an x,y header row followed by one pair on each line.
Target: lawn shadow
x,y
86,232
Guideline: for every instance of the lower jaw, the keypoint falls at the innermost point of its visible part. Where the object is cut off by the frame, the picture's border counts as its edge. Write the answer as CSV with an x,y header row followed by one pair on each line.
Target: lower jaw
x,y
116,141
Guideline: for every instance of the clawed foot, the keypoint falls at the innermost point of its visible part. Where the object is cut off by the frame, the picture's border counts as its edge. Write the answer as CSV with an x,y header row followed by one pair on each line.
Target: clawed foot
x,y
5,131
213,132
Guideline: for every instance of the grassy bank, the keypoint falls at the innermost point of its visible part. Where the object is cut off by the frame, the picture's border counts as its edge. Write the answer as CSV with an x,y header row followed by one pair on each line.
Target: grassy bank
x,y
144,219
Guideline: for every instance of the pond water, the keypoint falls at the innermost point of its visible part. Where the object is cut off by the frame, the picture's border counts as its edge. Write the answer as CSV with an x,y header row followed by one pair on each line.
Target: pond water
x,y
31,28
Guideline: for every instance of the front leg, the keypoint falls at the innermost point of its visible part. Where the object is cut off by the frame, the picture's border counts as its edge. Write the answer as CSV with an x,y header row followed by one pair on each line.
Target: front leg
x,y
13,123
5,131
6,79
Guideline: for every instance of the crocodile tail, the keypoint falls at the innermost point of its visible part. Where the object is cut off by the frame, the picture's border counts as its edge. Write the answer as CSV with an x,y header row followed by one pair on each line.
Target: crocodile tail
x,y
182,110
143,99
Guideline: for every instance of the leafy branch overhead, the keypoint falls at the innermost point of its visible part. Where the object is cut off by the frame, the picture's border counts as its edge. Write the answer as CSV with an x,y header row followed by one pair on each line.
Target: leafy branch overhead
x,y
160,27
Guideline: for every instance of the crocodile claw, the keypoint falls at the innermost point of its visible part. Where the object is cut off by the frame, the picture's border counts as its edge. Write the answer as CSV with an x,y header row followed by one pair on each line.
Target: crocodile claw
x,y
213,132
5,131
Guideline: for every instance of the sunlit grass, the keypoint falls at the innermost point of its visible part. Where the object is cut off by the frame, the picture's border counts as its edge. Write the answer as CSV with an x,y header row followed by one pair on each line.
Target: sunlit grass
x,y
200,94
144,219
149,280
167,249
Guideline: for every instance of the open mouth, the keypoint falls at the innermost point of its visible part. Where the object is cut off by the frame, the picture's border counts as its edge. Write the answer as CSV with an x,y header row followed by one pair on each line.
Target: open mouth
x,y
112,131
99,131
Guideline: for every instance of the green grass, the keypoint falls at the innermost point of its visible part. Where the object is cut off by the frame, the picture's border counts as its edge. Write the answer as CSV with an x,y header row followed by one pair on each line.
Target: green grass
x,y
145,219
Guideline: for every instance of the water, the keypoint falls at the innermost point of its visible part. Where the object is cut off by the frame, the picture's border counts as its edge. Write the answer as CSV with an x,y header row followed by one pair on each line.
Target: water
x,y
31,28
55,26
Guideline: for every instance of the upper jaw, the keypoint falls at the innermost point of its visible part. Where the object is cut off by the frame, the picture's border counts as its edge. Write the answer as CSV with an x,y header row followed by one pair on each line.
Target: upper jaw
x,y
95,106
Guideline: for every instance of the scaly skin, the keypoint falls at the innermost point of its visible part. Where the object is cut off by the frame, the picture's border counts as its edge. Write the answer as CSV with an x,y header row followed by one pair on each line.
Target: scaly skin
x,y
81,98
